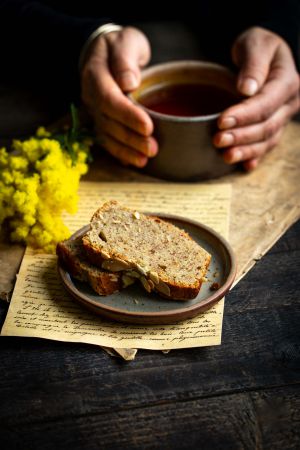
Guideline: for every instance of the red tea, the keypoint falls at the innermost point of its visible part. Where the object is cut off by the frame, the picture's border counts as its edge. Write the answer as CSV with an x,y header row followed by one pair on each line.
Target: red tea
x,y
187,100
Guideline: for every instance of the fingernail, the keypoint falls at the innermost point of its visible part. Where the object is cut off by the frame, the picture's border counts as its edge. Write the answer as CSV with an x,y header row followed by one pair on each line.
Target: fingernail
x,y
127,81
248,86
153,152
227,122
226,140
236,156
141,162
231,157
251,164
153,148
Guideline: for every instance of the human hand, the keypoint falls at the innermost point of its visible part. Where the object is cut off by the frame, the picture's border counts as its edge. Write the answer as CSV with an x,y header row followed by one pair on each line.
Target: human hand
x,y
111,69
268,77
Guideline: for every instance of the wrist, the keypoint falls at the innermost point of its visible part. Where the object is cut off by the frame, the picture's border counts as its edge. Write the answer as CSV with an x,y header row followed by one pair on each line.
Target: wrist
x,y
100,31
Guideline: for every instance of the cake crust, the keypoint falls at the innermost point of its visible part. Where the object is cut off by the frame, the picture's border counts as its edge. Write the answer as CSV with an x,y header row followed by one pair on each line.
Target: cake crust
x,y
162,256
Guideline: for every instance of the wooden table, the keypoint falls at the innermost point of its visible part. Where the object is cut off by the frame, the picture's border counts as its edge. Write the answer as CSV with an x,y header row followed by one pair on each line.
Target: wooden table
x,y
243,394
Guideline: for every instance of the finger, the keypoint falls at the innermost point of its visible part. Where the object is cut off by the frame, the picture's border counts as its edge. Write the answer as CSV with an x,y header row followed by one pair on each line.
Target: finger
x,y
104,94
122,152
282,85
146,145
251,164
129,53
257,132
259,108
114,103
253,52
246,152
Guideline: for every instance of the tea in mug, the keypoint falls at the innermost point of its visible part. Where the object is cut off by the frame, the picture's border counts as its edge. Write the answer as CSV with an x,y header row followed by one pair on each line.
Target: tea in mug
x,y
187,100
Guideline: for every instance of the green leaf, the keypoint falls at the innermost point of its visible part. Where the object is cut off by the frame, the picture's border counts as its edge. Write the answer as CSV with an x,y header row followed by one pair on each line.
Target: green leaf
x,y
74,131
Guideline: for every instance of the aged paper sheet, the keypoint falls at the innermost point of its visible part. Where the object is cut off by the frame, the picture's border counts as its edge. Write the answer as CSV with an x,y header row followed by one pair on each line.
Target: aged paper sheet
x,y
265,203
40,307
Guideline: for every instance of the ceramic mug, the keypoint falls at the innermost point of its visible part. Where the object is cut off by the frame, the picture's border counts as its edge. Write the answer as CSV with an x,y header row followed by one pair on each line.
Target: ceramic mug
x,y
186,151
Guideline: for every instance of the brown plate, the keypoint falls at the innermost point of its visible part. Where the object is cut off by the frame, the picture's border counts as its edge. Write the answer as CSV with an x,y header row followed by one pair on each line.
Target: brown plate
x,y
135,305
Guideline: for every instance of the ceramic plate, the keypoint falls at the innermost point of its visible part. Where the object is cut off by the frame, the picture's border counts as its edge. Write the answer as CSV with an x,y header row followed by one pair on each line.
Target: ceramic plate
x,y
135,305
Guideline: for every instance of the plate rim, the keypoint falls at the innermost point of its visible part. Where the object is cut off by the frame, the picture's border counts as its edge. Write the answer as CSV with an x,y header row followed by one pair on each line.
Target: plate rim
x,y
175,315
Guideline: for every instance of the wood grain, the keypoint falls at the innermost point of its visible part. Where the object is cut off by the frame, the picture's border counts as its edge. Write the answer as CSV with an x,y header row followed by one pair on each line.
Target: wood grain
x,y
245,421
241,395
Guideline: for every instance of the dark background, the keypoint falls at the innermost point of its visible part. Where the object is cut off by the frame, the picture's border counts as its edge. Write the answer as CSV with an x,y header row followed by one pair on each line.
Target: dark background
x,y
41,41
241,395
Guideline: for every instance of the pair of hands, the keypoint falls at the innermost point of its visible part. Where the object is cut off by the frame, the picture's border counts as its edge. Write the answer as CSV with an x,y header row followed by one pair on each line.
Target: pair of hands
x,y
267,77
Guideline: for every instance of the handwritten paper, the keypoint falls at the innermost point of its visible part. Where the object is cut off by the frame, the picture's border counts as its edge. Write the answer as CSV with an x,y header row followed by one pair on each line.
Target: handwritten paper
x,y
208,204
40,306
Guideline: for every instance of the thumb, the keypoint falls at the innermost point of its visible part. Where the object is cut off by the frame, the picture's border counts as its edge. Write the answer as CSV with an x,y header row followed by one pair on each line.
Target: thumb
x,y
129,52
253,53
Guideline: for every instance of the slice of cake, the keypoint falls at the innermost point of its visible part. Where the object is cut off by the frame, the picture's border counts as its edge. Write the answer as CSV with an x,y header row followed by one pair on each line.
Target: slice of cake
x,y
72,256
162,256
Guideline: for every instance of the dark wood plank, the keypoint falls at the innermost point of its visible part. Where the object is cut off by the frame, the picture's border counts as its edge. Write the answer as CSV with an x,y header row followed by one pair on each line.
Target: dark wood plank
x,y
268,420
260,349
58,389
241,395
274,282
289,242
